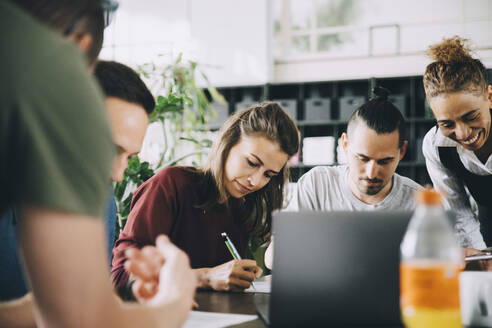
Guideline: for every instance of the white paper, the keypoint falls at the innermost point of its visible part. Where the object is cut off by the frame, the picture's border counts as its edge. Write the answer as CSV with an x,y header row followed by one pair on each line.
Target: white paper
x,y
215,320
261,285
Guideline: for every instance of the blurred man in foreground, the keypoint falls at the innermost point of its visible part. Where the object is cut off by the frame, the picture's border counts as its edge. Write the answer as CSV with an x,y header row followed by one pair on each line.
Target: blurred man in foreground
x,y
53,117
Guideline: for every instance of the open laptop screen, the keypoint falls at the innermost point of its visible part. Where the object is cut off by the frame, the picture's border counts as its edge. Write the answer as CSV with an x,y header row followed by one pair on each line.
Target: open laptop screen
x,y
340,268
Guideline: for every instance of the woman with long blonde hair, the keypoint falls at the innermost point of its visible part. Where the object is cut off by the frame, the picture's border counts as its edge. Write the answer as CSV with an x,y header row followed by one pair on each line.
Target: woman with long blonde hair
x,y
236,192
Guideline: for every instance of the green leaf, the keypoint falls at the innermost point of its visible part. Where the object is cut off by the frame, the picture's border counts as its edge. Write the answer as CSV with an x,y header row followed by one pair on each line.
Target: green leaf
x,y
119,189
172,108
182,108
193,65
207,143
191,139
216,95
188,100
178,60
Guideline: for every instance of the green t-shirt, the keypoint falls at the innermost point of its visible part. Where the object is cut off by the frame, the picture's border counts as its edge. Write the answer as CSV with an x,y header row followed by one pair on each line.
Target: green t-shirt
x,y
55,144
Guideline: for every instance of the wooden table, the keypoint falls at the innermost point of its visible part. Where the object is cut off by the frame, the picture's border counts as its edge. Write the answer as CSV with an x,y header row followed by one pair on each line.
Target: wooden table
x,y
241,303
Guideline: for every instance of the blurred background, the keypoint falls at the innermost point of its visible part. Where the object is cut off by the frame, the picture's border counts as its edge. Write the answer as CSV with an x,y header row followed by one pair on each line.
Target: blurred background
x,y
275,41
319,58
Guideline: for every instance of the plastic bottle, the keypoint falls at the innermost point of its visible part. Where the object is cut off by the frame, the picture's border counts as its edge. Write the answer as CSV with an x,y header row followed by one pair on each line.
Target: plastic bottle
x,y
431,261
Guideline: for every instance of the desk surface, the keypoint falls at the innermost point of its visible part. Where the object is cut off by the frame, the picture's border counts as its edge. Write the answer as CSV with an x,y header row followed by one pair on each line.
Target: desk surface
x,y
241,303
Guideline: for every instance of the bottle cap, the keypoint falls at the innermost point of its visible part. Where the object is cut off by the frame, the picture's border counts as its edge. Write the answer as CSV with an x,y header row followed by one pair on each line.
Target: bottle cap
x,y
427,196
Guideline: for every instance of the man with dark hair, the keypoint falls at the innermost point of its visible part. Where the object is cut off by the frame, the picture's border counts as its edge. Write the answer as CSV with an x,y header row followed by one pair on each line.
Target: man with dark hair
x,y
53,117
128,102
374,144
120,81
87,33
80,21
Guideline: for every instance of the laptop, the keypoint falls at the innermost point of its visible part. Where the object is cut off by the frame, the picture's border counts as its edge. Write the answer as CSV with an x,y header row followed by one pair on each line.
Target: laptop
x,y
335,268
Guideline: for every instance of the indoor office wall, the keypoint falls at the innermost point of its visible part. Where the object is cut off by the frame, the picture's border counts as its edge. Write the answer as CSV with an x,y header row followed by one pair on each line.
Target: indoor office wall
x,y
228,39
147,30
347,39
319,58
276,41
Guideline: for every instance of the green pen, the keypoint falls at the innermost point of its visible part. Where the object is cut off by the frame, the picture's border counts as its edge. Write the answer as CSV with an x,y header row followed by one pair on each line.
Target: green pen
x,y
232,249
230,246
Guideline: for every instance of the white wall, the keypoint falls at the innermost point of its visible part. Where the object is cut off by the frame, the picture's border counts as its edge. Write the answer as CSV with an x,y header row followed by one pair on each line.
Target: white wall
x,y
396,50
145,30
228,39
358,68
232,39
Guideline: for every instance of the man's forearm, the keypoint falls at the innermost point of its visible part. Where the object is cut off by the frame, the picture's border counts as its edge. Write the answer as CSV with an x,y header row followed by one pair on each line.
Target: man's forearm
x,y
18,313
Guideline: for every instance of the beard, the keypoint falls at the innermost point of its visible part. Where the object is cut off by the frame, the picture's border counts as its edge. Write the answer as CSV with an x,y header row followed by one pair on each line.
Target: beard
x,y
370,190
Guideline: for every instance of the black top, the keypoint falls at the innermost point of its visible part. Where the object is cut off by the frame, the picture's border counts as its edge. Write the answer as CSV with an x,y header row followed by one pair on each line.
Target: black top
x,y
478,186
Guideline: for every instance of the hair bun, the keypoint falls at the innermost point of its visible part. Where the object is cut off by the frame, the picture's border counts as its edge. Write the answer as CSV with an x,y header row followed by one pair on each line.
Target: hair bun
x,y
381,93
452,50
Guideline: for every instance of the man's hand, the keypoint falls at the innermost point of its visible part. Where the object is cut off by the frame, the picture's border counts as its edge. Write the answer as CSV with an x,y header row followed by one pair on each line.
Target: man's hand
x,y
483,265
177,282
144,265
68,265
162,274
235,275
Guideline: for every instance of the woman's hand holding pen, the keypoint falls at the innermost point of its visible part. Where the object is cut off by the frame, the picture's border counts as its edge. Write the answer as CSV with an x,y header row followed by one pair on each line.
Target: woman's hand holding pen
x,y
235,275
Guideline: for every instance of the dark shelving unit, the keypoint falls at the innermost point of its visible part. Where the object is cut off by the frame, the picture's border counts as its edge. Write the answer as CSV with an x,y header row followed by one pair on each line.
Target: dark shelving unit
x,y
323,108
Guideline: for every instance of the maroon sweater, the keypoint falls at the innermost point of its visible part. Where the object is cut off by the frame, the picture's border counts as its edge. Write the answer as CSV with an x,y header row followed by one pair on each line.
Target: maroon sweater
x,y
167,204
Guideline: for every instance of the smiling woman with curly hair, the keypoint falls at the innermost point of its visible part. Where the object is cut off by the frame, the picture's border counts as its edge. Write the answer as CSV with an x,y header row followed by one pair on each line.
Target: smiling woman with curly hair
x,y
458,149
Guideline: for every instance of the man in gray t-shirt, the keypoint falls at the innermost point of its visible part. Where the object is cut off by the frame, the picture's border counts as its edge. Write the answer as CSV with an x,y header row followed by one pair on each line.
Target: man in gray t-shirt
x,y
374,145
327,188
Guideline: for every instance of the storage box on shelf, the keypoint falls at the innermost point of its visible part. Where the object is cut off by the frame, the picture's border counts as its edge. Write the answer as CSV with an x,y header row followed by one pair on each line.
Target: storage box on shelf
x,y
289,105
246,102
323,108
221,115
348,104
318,150
317,109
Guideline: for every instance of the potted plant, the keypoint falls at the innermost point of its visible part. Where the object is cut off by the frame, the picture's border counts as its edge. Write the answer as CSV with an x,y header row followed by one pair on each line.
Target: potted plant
x,y
182,113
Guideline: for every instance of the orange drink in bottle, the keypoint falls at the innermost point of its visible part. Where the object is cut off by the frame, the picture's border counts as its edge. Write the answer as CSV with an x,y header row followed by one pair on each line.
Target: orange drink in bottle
x,y
429,269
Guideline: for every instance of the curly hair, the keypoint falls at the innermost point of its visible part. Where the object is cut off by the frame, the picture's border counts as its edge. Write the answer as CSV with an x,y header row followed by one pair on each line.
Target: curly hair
x,y
453,69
